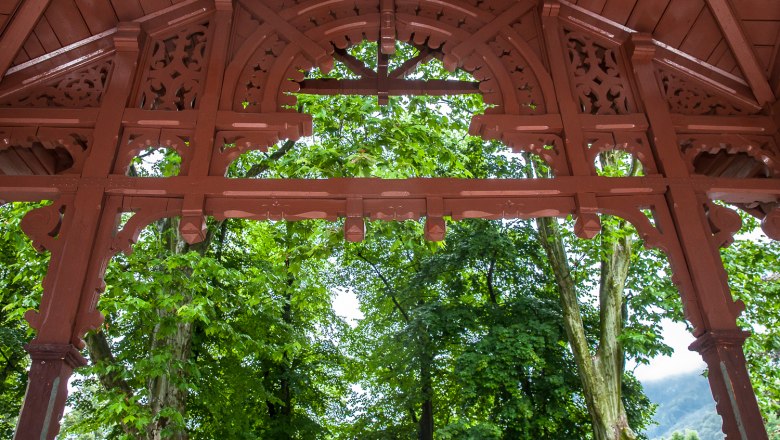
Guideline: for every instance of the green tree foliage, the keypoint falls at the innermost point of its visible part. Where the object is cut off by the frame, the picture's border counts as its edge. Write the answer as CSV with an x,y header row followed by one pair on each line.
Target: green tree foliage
x,y
753,264
21,272
687,435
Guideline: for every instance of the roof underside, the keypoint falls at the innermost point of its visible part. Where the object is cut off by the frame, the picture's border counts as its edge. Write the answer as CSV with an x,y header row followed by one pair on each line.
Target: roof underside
x,y
687,25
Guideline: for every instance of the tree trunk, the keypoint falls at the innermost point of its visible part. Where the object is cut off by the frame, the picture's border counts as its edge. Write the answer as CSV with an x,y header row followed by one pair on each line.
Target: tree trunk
x,y
165,393
174,337
601,374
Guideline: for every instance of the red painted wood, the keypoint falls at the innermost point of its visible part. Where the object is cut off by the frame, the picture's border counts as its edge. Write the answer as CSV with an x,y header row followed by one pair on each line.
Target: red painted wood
x,y
676,22
65,19
98,15
45,34
618,10
703,36
151,6
32,47
127,10
646,14
756,9
742,49
592,5
18,30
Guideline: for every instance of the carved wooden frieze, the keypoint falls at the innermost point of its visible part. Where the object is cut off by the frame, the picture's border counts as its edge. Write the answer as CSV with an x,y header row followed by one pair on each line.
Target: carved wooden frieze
x,y
687,98
77,89
597,78
635,143
524,83
136,140
175,70
290,42
761,149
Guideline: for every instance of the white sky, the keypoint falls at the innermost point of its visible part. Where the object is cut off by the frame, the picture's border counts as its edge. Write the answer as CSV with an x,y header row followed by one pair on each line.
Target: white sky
x,y
682,361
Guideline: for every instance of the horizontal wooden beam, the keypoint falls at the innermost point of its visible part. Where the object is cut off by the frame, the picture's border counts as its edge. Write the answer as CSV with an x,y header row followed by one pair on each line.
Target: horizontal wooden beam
x,y
392,86
53,117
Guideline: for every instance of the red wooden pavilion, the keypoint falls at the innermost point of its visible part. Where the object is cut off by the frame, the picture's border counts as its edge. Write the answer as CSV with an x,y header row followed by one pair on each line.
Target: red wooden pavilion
x,y
687,86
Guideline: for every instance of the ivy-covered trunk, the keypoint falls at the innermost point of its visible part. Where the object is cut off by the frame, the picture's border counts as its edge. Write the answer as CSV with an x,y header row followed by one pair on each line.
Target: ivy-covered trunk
x,y
167,398
601,373
173,337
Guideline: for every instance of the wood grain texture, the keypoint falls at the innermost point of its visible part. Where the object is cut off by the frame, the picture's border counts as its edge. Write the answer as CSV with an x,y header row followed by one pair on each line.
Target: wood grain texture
x,y
66,21
618,10
702,37
646,14
677,21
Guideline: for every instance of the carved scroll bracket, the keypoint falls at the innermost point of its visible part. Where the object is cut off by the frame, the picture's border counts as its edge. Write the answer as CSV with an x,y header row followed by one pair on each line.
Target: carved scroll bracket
x,y
67,146
42,225
761,148
145,211
635,143
136,140
723,223
771,224
547,146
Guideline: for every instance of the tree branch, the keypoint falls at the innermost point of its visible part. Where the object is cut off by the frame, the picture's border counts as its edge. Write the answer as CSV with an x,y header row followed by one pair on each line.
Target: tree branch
x,y
263,166
490,272
390,289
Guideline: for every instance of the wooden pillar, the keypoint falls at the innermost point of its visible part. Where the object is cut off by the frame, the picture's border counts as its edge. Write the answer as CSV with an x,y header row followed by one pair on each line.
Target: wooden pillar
x,y
574,138
719,339
69,229
193,222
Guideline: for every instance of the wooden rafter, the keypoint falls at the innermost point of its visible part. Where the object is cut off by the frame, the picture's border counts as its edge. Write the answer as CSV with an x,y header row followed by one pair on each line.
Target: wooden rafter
x,y
22,24
742,49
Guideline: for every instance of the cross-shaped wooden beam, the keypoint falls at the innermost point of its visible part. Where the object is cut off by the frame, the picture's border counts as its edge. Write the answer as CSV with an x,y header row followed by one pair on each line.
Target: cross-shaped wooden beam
x,y
385,83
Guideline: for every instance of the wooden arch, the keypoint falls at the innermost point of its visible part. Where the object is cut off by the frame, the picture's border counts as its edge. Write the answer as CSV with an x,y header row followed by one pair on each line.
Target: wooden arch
x,y
177,74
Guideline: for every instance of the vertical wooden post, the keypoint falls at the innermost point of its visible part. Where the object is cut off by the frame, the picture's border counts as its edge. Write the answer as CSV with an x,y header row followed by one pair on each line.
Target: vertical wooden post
x,y
574,138
720,340
193,222
55,349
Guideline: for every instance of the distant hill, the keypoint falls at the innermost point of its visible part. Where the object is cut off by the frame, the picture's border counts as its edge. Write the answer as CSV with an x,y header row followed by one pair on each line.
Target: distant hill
x,y
684,402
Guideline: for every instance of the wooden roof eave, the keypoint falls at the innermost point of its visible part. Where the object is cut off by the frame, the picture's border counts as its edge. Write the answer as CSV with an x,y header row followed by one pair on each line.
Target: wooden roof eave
x,y
88,50
609,31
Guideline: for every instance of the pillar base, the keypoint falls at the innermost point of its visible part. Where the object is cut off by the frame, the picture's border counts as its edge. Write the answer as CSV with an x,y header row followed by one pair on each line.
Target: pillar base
x,y
730,383
47,389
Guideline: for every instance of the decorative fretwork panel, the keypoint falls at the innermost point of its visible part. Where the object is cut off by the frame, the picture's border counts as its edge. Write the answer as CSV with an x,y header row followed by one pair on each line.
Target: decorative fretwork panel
x,y
598,80
686,98
252,83
175,70
523,80
80,89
